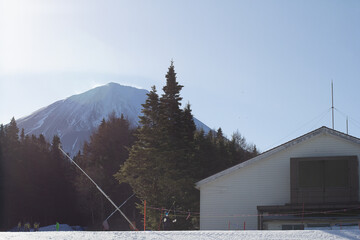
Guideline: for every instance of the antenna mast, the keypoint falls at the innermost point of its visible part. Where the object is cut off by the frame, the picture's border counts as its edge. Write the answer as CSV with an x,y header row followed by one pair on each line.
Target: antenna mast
x,y
332,103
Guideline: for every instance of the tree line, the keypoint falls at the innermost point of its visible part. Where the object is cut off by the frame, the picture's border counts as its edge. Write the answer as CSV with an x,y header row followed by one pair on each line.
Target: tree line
x,y
160,161
35,180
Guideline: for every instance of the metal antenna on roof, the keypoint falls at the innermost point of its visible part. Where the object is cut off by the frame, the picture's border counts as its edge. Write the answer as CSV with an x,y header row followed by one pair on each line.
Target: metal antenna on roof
x,y
347,126
332,103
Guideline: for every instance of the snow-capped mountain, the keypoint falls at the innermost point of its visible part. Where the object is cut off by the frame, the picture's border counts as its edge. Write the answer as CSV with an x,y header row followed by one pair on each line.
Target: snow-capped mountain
x,y
75,118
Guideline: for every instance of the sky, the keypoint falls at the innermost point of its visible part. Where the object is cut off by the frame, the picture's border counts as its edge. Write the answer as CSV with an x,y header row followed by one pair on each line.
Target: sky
x,y
260,67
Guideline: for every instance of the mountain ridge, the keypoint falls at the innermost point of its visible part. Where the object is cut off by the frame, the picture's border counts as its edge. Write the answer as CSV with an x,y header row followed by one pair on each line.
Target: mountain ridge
x,y
75,118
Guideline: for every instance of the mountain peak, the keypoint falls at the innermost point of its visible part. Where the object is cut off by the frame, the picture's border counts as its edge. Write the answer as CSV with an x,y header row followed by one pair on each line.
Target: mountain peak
x,y
106,93
113,84
118,85
75,118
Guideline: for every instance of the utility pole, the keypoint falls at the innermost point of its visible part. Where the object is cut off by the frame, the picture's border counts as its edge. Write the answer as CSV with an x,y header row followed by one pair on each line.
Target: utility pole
x,y
332,103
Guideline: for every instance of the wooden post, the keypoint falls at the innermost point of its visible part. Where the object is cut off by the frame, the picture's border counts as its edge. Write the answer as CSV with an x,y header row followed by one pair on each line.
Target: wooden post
x,y
160,219
244,225
144,215
302,214
229,225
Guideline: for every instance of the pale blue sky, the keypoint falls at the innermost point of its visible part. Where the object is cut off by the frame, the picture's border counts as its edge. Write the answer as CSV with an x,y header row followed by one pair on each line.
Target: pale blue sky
x,y
261,67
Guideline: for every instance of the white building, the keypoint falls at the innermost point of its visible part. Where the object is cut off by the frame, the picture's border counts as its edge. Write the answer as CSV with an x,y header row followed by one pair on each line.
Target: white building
x,y
311,181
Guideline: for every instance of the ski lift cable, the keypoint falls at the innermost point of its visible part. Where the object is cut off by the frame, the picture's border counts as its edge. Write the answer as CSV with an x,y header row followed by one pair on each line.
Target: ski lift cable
x,y
107,197
119,207
170,208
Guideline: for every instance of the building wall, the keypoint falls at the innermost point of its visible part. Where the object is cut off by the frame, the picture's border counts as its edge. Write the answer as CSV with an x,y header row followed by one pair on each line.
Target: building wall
x,y
232,199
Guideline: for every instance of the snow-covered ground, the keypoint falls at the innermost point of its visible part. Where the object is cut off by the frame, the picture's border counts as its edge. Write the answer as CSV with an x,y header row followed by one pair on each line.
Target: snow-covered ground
x,y
184,235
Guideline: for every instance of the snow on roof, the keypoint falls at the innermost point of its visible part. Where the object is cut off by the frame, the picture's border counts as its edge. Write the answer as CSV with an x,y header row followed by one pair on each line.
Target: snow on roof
x,y
321,130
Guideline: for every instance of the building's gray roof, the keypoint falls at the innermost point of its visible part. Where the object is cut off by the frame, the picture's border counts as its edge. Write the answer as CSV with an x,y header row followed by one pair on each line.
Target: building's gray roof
x,y
321,130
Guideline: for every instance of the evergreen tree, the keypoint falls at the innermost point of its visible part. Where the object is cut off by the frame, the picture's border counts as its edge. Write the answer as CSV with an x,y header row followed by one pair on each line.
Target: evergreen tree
x,y
12,137
12,173
34,183
2,132
60,184
22,135
12,133
102,156
142,170
170,113
216,153
189,124
159,166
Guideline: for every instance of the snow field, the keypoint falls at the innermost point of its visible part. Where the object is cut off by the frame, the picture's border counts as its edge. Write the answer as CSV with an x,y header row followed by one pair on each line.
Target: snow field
x,y
185,235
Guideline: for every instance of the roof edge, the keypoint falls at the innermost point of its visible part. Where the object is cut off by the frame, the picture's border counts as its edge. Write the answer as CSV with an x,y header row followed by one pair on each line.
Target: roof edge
x,y
321,130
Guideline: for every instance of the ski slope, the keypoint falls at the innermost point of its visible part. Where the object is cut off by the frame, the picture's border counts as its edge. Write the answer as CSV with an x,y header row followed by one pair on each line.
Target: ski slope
x,y
185,235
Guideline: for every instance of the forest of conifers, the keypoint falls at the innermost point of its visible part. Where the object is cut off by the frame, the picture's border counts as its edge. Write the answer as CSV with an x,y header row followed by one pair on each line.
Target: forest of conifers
x,y
160,161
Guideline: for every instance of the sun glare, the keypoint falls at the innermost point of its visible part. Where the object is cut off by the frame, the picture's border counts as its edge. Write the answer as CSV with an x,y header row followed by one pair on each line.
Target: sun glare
x,y
16,20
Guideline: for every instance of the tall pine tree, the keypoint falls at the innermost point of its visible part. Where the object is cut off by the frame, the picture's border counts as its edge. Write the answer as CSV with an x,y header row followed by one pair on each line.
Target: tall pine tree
x,y
158,168
170,102
169,156
102,156
143,167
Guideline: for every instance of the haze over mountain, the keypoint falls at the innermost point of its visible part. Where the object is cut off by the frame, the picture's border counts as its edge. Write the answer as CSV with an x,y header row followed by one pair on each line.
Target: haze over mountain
x,y
75,118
